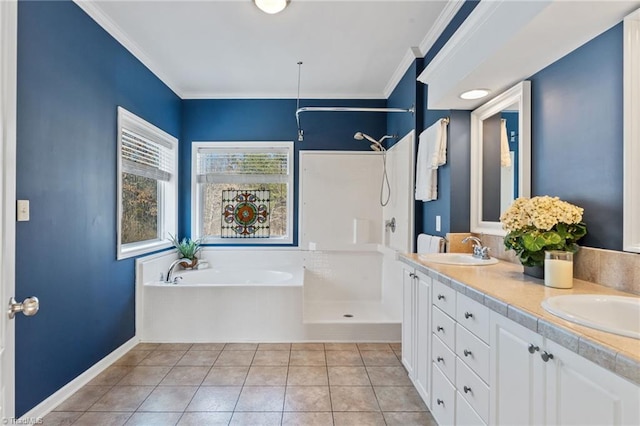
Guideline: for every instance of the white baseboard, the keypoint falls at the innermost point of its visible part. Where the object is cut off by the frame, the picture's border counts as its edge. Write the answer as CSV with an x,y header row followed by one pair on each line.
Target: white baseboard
x,y
46,406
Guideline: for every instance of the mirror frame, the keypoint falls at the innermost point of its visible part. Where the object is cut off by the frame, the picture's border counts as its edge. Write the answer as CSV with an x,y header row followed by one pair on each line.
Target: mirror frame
x,y
631,133
520,94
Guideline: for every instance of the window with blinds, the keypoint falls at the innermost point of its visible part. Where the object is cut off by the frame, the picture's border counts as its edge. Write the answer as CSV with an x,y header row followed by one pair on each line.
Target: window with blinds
x,y
260,177
147,186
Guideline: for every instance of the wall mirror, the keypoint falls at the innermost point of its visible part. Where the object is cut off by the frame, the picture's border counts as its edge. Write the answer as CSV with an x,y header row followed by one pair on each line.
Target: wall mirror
x,y
500,156
631,82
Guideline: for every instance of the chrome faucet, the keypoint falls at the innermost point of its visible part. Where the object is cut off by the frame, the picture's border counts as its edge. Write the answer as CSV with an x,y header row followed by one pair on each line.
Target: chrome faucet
x,y
172,267
479,251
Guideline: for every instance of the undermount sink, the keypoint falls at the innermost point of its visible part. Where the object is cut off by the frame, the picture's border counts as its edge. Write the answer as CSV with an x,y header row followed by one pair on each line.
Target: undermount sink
x,y
614,314
462,259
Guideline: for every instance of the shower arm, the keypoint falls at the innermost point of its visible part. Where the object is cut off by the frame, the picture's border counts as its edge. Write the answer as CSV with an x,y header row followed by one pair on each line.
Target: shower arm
x,y
412,110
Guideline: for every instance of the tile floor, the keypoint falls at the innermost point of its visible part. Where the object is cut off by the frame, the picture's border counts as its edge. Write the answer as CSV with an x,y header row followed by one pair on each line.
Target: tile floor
x,y
249,384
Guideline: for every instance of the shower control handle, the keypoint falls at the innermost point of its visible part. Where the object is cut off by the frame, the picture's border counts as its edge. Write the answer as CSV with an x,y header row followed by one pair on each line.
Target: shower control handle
x,y
390,224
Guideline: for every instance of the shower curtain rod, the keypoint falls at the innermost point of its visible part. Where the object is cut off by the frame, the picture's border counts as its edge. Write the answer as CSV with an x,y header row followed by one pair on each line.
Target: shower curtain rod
x,y
344,109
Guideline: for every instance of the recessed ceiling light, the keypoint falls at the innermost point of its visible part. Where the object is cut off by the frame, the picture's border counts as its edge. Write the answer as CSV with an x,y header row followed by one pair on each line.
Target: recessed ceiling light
x,y
474,94
271,6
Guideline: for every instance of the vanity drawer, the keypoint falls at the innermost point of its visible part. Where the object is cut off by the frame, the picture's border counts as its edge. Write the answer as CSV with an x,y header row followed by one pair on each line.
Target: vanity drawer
x,y
474,316
473,352
465,414
444,327
443,399
444,298
473,389
443,358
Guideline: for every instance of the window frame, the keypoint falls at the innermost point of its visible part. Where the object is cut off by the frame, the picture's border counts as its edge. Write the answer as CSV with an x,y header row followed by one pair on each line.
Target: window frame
x,y
196,193
168,190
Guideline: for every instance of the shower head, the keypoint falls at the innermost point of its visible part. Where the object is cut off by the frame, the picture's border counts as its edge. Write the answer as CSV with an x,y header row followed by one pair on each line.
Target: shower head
x,y
362,136
375,145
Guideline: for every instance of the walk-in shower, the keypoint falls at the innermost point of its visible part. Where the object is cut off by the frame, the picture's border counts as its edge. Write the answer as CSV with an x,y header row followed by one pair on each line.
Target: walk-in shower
x,y
376,145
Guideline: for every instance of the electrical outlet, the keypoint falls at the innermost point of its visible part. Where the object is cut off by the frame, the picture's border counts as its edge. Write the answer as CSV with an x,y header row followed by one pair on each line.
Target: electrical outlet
x,y
22,213
437,223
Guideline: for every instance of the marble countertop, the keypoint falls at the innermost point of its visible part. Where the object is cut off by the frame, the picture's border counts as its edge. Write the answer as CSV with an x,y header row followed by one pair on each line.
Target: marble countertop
x,y
505,289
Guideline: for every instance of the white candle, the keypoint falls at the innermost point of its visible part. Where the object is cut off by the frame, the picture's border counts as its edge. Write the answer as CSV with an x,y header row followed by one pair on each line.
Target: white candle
x,y
558,273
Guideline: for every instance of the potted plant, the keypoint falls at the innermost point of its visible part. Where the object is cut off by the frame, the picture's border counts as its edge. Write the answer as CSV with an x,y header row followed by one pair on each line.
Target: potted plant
x,y
187,249
535,225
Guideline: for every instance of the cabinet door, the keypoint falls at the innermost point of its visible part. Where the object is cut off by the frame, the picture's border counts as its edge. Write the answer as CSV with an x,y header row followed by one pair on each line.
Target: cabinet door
x,y
408,320
422,364
579,392
516,375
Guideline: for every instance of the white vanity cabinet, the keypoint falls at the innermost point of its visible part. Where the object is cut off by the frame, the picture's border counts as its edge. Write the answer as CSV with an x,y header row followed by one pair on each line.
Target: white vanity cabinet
x,y
536,381
416,329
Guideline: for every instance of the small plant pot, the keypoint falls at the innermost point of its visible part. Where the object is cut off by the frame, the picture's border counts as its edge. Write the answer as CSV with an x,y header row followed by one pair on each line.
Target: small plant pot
x,y
191,264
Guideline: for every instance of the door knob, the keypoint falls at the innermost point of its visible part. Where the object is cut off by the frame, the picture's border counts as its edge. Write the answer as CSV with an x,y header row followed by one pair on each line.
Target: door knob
x,y
29,307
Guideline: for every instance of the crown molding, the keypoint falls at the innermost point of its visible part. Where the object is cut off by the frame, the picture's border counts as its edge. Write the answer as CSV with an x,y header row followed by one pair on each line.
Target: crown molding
x,y
451,8
93,10
411,54
276,95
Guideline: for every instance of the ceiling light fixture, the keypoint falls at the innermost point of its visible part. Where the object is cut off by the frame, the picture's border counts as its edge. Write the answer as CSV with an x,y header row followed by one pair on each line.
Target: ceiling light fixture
x,y
271,6
474,94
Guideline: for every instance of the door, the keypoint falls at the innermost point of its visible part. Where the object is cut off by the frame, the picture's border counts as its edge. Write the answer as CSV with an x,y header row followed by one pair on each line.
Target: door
x,y
8,48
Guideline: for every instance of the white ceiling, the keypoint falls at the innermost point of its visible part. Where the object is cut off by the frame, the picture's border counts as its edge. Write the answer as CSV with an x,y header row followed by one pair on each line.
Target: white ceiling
x,y
230,49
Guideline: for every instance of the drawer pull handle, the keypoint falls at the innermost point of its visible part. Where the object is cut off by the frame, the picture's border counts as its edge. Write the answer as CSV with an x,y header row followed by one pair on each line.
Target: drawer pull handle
x,y
546,356
467,389
440,402
468,315
412,275
467,352
441,297
439,328
440,359
533,348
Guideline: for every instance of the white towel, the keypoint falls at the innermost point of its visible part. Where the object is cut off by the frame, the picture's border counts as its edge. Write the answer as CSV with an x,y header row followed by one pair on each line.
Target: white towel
x,y
436,245
432,153
505,156
430,244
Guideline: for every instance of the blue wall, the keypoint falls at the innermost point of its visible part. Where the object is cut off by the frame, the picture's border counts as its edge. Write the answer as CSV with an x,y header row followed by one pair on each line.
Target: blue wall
x,y
271,120
71,77
577,135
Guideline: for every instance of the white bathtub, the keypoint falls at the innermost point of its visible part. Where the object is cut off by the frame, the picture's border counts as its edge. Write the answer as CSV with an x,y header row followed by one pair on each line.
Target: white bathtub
x,y
287,276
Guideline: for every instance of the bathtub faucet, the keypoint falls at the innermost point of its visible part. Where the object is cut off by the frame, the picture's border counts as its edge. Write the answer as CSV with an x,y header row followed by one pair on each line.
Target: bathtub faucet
x,y
172,267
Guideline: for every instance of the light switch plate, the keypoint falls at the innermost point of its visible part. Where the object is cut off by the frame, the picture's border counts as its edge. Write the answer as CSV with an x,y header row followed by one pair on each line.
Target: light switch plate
x,y
22,213
437,223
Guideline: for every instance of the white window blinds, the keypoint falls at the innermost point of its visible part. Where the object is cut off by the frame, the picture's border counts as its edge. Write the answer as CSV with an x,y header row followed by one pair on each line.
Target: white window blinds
x,y
246,165
143,157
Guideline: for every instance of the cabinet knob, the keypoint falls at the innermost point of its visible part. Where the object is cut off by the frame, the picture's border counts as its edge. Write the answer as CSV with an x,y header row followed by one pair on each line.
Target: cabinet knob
x,y
546,356
467,389
412,275
467,352
439,328
441,297
533,348
468,315
440,402
440,359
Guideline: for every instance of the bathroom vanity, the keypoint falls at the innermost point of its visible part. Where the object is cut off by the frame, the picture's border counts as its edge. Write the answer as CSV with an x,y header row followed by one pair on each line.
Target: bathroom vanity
x,y
480,350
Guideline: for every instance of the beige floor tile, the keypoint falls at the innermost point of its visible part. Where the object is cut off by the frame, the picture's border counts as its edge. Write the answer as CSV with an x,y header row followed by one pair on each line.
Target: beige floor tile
x,y
226,376
307,358
205,419
169,398
374,346
274,347
132,358
307,376
162,357
410,419
266,376
399,398
153,419
207,347
307,398
199,358
261,398
272,358
122,398
146,346
346,358
348,376
143,375
396,347
255,419
240,346
353,398
235,358
388,376
342,418
340,347
307,347
102,419
380,358
215,398
185,376
61,418
83,398
174,346
307,419
110,376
